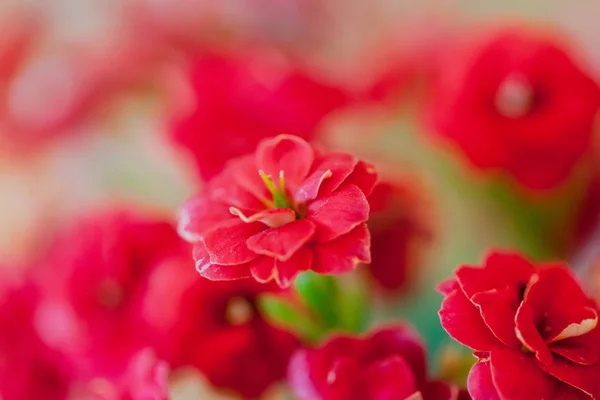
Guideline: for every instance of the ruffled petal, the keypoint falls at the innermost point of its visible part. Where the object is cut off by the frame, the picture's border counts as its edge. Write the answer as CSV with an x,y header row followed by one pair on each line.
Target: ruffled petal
x,y
527,332
282,242
226,244
287,153
216,272
198,215
480,383
263,269
272,217
498,308
584,378
338,213
327,174
364,177
344,253
287,270
390,379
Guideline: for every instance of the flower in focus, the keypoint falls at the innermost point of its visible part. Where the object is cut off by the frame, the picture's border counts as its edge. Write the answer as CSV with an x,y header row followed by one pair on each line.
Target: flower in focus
x,y
399,232
388,364
94,280
526,324
216,327
285,210
517,104
28,368
237,102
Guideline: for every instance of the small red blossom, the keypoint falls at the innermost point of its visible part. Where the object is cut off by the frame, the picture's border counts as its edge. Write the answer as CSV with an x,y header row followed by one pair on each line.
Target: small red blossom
x,y
533,329
400,232
95,278
387,365
217,328
517,104
239,101
285,210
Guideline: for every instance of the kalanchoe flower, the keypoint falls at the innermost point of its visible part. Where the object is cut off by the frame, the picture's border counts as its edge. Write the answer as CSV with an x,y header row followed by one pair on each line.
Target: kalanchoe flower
x,y
95,278
217,328
285,210
239,101
388,364
517,104
400,231
533,329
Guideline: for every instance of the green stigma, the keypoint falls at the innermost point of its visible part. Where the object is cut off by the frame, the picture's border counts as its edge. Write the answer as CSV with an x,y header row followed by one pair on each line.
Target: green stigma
x,y
279,197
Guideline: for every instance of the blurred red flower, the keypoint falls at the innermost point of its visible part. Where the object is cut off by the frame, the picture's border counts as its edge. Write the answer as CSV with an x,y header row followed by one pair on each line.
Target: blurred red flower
x,y
95,278
217,328
240,100
286,210
28,369
388,364
518,104
400,230
526,324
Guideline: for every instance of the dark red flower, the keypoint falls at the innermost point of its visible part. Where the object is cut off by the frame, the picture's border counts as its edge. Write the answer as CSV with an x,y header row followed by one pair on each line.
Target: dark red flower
x,y
217,328
517,104
285,210
28,368
95,279
533,329
387,365
239,101
400,230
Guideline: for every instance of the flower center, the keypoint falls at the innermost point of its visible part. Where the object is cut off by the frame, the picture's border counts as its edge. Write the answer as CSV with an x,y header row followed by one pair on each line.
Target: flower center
x,y
280,198
514,97
239,311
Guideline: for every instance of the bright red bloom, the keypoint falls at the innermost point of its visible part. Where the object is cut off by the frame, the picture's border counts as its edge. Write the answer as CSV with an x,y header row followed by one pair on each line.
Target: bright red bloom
x,y
285,210
29,369
240,101
95,279
388,365
217,328
533,329
517,104
399,232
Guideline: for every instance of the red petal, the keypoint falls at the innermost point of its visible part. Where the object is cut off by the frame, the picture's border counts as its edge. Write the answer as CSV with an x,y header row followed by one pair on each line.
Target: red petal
x,y
327,174
480,383
461,319
287,153
272,217
198,215
448,286
391,379
298,377
216,272
245,174
560,307
281,243
287,270
364,176
583,349
528,334
517,376
500,269
263,269
338,213
225,189
344,253
439,390
498,309
226,244
585,378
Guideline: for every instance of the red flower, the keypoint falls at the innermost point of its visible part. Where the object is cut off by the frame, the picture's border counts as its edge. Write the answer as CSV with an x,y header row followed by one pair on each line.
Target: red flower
x,y
399,232
517,104
284,211
240,101
388,365
533,329
29,369
95,278
217,328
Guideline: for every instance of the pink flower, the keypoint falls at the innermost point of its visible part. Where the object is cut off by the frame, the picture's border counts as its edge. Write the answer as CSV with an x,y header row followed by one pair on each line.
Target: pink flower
x,y
285,210
517,104
387,365
217,328
533,329
94,280
239,101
